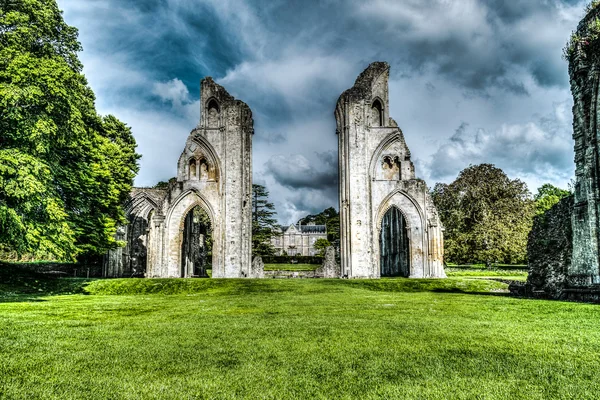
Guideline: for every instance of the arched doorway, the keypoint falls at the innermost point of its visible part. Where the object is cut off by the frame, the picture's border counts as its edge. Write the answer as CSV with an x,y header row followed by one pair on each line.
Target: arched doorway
x,y
196,246
137,251
394,245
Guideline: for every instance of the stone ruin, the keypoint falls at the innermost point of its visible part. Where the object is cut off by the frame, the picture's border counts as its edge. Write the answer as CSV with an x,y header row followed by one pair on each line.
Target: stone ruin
x,y
389,225
329,268
204,217
563,247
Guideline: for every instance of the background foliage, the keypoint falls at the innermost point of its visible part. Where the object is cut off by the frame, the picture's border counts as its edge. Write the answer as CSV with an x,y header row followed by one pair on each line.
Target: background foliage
x,y
263,222
64,170
486,216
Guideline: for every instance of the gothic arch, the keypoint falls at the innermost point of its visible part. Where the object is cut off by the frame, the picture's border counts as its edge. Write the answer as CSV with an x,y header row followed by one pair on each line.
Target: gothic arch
x,y
141,204
174,229
213,113
200,149
377,113
392,138
414,217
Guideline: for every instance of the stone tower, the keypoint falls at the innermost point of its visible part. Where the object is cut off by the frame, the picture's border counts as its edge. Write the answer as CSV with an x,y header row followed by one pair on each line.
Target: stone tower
x,y
388,223
214,178
583,53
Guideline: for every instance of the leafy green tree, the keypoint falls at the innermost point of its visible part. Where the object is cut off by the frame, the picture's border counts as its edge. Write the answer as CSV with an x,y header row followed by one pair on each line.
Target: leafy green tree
x,y
320,245
64,170
547,196
486,216
264,223
329,217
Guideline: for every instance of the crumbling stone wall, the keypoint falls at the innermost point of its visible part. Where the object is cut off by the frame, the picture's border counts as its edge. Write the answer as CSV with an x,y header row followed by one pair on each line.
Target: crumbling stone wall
x,y
549,250
563,247
584,67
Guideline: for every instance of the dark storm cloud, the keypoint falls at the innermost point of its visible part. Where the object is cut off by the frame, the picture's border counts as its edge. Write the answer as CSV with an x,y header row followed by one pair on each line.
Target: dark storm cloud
x,y
290,59
297,172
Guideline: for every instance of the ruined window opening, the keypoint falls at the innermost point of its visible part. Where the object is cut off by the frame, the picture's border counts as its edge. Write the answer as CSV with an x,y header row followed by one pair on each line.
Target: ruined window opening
x,y
394,245
203,169
192,172
213,113
377,113
391,168
196,246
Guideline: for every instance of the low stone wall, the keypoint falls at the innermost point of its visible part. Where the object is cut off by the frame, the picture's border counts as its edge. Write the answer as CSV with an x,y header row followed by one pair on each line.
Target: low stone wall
x,y
291,274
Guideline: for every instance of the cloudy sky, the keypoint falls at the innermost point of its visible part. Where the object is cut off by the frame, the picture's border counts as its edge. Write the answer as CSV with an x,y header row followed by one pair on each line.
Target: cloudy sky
x,y
471,81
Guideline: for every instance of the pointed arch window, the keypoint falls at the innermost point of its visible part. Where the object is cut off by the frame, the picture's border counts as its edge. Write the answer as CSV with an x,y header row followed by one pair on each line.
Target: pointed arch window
x,y
213,113
377,113
193,172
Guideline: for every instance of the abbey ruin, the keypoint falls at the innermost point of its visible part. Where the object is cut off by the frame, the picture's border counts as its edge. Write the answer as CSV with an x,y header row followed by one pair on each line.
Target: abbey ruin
x,y
206,209
563,248
389,225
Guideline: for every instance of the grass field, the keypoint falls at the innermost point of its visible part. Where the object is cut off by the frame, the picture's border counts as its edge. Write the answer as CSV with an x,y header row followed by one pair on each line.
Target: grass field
x,y
457,338
291,267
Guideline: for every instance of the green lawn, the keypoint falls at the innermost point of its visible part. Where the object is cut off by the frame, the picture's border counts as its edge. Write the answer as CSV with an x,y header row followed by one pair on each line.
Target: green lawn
x,y
504,274
457,338
291,267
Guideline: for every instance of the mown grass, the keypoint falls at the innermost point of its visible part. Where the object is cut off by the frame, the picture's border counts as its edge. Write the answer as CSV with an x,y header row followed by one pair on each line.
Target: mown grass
x,y
309,338
504,274
291,267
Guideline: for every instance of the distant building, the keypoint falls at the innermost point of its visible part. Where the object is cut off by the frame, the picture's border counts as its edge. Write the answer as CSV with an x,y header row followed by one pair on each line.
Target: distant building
x,y
298,240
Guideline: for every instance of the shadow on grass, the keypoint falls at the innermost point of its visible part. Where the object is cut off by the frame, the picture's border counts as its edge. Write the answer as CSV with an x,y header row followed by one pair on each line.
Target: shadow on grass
x,y
22,285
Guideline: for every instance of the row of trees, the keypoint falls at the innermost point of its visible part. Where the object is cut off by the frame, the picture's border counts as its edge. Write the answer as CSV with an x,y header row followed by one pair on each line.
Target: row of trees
x,y
65,171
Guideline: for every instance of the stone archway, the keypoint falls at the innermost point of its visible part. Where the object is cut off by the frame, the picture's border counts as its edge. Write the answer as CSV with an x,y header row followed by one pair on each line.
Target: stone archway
x,y
175,226
394,245
403,208
196,244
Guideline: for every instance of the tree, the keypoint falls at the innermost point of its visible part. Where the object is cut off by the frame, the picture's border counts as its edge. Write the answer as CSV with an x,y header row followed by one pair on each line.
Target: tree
x,y
329,217
320,245
486,216
547,196
64,170
264,223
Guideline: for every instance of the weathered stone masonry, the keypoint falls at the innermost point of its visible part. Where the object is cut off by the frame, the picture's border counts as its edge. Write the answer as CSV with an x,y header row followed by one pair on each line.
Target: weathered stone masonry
x,y
214,172
564,260
389,225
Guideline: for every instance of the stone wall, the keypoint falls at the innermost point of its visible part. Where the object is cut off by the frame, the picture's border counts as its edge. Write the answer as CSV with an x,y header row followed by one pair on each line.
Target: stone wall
x,y
549,251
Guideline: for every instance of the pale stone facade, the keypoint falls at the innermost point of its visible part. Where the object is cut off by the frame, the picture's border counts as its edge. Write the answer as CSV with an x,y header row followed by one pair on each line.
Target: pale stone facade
x,y
214,172
388,223
298,240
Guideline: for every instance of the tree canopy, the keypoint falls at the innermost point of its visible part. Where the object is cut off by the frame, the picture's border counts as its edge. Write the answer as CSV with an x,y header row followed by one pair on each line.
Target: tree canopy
x,y
263,222
65,171
547,196
321,245
486,216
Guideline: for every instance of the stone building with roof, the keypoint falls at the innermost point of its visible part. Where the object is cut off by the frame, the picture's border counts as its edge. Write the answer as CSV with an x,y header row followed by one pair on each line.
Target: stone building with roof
x,y
298,240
